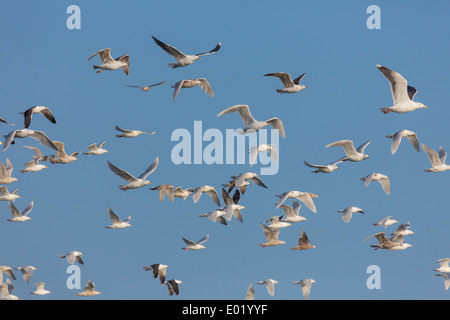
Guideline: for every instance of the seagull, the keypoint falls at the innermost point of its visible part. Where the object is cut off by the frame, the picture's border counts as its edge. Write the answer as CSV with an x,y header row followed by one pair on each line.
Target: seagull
x,y
183,60
27,272
20,216
5,172
189,83
6,290
446,279
350,152
289,85
252,125
241,180
165,189
381,178
324,168
178,192
195,245
73,256
116,222
126,133
276,222
291,213
305,197
216,215
108,63
5,195
24,133
303,242
397,138
443,265
134,183
158,270
146,88
385,222
437,160
393,243
8,271
173,286
270,148
232,206
33,166
209,190
270,285
403,230
40,291
250,295
271,237
37,109
96,149
89,290
402,94
4,121
306,286
61,155
348,212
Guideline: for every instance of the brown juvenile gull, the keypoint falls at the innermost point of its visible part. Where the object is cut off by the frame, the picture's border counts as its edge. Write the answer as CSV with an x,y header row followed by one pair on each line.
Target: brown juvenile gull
x,y
402,94
397,138
27,272
252,125
25,133
290,86
134,183
28,114
189,83
178,192
324,168
20,216
381,178
165,189
303,242
116,222
108,63
183,60
306,286
89,290
209,190
146,88
348,212
158,270
271,237
305,197
437,160
5,172
126,133
250,295
351,154
394,243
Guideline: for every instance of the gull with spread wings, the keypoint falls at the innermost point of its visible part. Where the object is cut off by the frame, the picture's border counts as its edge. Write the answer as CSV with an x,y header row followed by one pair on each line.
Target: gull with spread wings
x,y
109,63
290,86
133,182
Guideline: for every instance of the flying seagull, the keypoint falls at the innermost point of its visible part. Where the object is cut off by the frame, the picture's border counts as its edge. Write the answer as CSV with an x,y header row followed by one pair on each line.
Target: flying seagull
x,y
89,290
402,94
303,242
271,237
437,160
381,178
189,83
348,212
252,125
6,172
173,286
158,270
324,168
209,190
351,154
306,286
397,138
291,213
385,222
270,286
108,63
269,148
37,109
163,190
134,183
20,216
289,85
183,60
40,289
61,155
250,295
146,88
73,256
5,195
126,133
27,272
195,245
96,149
305,197
24,133
116,222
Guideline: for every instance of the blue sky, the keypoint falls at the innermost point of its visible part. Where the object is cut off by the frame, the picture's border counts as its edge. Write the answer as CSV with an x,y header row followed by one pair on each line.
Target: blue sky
x,y
45,64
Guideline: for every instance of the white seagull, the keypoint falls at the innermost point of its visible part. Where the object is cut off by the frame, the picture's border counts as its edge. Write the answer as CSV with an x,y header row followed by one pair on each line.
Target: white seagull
x,y
241,180
443,265
252,125
40,289
6,290
250,295
189,83
8,271
195,245
402,94
446,277
33,166
183,60
5,195
163,190
270,286
324,168
89,290
269,148
96,149
381,178
209,190
306,286
351,154
126,133
37,109
61,156
134,183
403,230
25,133
116,222
271,237
397,138
348,212
216,215
437,160
20,216
27,272
5,172
289,85
173,286
73,256
146,88
385,222
291,213
276,222
108,63
158,270
305,197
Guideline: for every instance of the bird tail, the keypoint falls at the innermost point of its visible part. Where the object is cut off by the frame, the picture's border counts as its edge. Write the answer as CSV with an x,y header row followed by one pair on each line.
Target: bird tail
x,y
173,65
385,110
96,66
280,91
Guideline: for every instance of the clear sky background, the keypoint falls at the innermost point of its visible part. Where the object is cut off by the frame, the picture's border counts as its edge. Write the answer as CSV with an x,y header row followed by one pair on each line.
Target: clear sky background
x,y
44,63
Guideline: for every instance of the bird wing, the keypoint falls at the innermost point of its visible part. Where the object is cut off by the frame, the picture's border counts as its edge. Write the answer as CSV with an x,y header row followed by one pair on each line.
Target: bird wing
x,y
43,139
113,217
414,141
258,181
177,54
396,139
177,89
442,155
27,210
15,212
284,77
216,48
298,79
385,185
36,150
250,295
277,125
398,85
313,165
308,201
347,145
361,148
243,110
226,197
303,239
121,173
253,153
104,54
367,180
283,198
9,139
206,87
48,114
150,169
432,156
157,84
213,194
411,92
120,129
203,239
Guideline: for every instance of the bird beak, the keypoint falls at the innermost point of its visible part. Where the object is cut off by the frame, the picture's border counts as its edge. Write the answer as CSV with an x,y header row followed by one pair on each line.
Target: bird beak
x,y
425,107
